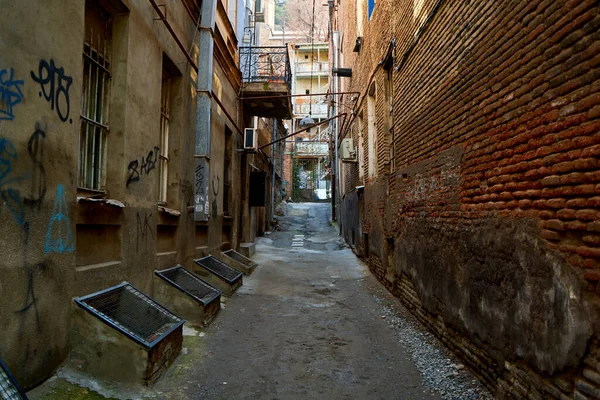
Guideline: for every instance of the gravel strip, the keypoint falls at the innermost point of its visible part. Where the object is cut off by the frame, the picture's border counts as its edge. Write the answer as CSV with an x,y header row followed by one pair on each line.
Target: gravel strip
x,y
440,370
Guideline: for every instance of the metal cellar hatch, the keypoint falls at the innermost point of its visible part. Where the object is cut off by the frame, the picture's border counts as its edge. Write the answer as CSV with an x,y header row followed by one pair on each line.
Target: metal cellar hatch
x,y
9,388
249,265
120,334
187,294
132,312
219,274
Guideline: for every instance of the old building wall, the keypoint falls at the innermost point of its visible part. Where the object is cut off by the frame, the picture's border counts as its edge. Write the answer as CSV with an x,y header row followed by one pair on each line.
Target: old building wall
x,y
39,113
483,214
67,234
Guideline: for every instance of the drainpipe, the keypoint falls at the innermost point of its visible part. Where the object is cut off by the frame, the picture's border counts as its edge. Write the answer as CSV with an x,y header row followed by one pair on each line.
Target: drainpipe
x,y
203,110
331,110
273,136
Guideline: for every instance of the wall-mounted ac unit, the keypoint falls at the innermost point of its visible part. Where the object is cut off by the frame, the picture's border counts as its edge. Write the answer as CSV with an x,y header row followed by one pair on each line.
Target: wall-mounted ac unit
x,y
348,150
259,17
250,139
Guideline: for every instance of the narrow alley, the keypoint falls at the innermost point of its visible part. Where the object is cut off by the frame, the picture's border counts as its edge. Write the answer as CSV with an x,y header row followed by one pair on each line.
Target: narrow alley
x,y
292,199
309,323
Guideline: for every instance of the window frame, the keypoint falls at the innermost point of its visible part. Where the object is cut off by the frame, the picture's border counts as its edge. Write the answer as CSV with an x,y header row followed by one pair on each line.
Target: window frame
x,y
95,101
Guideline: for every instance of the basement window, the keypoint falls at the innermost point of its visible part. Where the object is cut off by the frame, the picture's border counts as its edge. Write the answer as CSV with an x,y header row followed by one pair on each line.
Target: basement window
x,y
190,284
132,313
9,389
219,268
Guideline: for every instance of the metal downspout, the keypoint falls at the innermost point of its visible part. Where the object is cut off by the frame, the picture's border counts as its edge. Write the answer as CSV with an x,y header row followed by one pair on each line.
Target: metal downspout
x,y
331,111
203,110
273,136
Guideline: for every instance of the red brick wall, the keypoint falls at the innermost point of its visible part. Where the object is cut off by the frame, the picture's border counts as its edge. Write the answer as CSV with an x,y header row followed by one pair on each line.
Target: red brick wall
x,y
493,202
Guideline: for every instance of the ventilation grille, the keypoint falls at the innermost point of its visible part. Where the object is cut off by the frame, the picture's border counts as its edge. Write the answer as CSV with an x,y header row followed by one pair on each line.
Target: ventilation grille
x,y
9,389
219,268
240,258
190,284
131,312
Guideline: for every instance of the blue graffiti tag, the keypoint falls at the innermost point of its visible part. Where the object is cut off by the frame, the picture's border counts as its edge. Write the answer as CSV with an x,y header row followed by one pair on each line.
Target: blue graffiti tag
x,y
59,237
10,196
10,94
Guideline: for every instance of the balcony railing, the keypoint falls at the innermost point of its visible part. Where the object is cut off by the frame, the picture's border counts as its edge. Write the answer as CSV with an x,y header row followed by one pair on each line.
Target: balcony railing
x,y
265,64
312,149
317,67
315,110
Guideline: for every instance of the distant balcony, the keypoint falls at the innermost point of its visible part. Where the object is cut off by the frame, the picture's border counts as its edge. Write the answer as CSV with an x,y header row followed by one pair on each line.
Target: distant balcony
x,y
315,68
316,111
266,77
311,149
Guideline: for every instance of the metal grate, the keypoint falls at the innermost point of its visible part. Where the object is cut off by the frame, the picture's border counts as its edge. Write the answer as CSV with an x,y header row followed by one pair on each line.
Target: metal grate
x,y
9,389
219,268
190,283
131,312
240,258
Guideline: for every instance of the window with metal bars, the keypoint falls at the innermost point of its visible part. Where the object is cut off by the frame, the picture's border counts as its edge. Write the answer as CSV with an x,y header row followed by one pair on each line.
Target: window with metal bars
x,y
94,99
165,121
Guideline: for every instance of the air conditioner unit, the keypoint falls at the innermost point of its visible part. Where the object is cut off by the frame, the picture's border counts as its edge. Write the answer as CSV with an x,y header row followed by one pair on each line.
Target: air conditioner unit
x,y
250,139
259,17
348,150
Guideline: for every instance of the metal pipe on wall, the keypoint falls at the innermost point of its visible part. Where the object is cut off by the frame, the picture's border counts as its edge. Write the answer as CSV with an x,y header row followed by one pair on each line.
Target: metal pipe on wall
x,y
273,137
203,110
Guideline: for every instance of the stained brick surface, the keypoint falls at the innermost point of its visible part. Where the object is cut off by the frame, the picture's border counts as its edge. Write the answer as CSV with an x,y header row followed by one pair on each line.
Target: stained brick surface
x,y
495,128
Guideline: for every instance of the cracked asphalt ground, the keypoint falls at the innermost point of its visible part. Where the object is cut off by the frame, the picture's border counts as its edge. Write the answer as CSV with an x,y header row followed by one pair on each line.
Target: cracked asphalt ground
x,y
310,323
303,326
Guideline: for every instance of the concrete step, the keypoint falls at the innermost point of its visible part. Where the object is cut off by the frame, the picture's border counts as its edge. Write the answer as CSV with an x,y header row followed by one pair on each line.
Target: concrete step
x,y
247,249
238,261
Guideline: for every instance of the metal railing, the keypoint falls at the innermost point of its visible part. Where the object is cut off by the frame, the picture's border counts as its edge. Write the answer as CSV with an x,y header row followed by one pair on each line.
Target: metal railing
x,y
312,149
265,64
316,67
315,110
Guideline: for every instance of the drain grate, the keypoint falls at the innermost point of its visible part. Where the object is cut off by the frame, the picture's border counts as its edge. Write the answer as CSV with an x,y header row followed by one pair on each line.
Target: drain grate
x,y
240,258
9,389
190,283
219,268
131,312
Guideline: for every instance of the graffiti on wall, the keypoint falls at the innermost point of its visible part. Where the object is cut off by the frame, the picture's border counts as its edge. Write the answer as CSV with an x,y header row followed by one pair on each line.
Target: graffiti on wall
x,y
10,93
147,165
35,148
10,196
55,85
200,189
144,230
59,237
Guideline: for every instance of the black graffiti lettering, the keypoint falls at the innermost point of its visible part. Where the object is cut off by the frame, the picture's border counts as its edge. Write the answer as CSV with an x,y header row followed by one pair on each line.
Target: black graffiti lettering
x,y
55,87
199,172
148,164
144,230
35,147
134,176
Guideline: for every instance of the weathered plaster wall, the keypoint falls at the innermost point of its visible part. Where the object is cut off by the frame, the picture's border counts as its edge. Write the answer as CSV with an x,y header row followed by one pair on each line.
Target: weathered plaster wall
x,y
39,119
60,241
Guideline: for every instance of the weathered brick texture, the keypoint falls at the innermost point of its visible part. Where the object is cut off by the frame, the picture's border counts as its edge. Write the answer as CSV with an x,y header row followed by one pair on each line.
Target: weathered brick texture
x,y
491,202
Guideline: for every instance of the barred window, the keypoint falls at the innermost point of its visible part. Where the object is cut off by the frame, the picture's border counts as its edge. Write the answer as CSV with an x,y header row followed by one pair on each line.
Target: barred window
x,y
165,120
94,99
